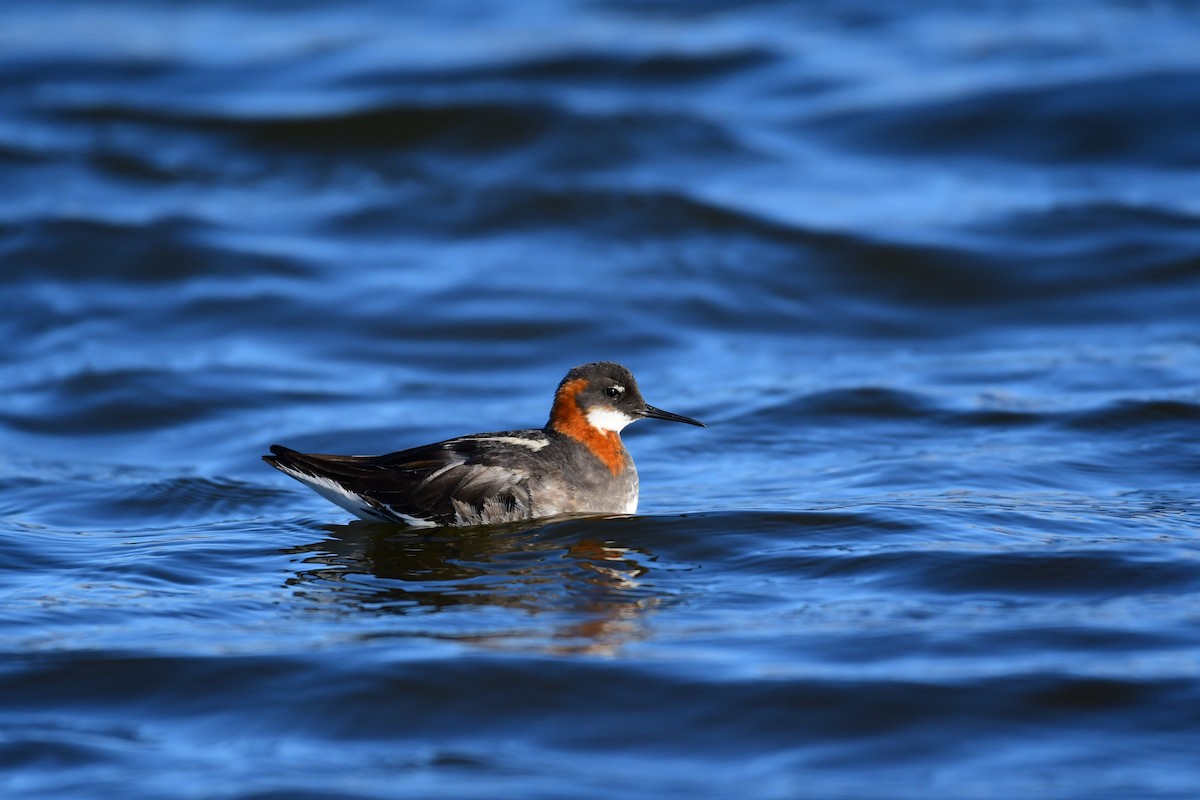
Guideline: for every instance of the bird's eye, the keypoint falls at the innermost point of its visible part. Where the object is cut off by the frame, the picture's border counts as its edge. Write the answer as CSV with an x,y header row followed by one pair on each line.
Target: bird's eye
x,y
613,391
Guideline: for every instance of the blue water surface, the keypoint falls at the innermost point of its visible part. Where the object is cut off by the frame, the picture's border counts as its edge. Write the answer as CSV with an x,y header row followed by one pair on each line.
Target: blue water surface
x,y
929,272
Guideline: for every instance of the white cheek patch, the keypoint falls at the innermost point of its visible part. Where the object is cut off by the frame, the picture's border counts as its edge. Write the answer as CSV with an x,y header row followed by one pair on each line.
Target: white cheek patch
x,y
608,419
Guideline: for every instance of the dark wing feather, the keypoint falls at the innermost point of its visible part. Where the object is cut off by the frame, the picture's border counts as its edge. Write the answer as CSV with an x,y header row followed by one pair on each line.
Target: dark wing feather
x,y
443,483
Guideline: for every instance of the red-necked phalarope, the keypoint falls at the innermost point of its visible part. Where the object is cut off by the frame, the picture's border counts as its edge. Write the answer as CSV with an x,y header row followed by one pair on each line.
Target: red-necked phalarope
x,y
577,464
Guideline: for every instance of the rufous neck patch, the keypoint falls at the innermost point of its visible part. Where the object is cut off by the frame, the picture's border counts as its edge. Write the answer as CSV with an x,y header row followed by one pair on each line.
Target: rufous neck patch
x,y
568,418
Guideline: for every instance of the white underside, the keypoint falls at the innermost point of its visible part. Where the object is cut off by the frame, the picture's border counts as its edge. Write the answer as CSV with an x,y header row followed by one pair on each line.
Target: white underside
x,y
340,496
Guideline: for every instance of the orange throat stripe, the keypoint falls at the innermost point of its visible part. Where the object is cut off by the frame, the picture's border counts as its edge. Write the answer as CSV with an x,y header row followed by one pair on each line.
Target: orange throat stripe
x,y
567,418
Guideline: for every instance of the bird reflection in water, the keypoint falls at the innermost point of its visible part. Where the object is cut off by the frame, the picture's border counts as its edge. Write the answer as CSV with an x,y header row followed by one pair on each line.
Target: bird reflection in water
x,y
577,593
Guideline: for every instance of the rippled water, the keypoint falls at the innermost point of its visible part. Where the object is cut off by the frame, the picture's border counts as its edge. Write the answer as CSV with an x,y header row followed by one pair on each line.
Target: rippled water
x,y
930,274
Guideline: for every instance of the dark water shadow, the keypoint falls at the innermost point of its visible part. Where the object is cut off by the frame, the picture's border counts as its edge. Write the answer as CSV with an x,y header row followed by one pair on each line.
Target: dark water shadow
x,y
571,589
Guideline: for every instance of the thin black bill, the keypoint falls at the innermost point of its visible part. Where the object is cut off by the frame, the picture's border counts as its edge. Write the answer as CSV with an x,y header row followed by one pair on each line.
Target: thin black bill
x,y
658,413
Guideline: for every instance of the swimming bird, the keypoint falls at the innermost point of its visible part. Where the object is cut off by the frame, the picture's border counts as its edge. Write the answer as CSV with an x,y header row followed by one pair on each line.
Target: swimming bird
x,y
576,464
